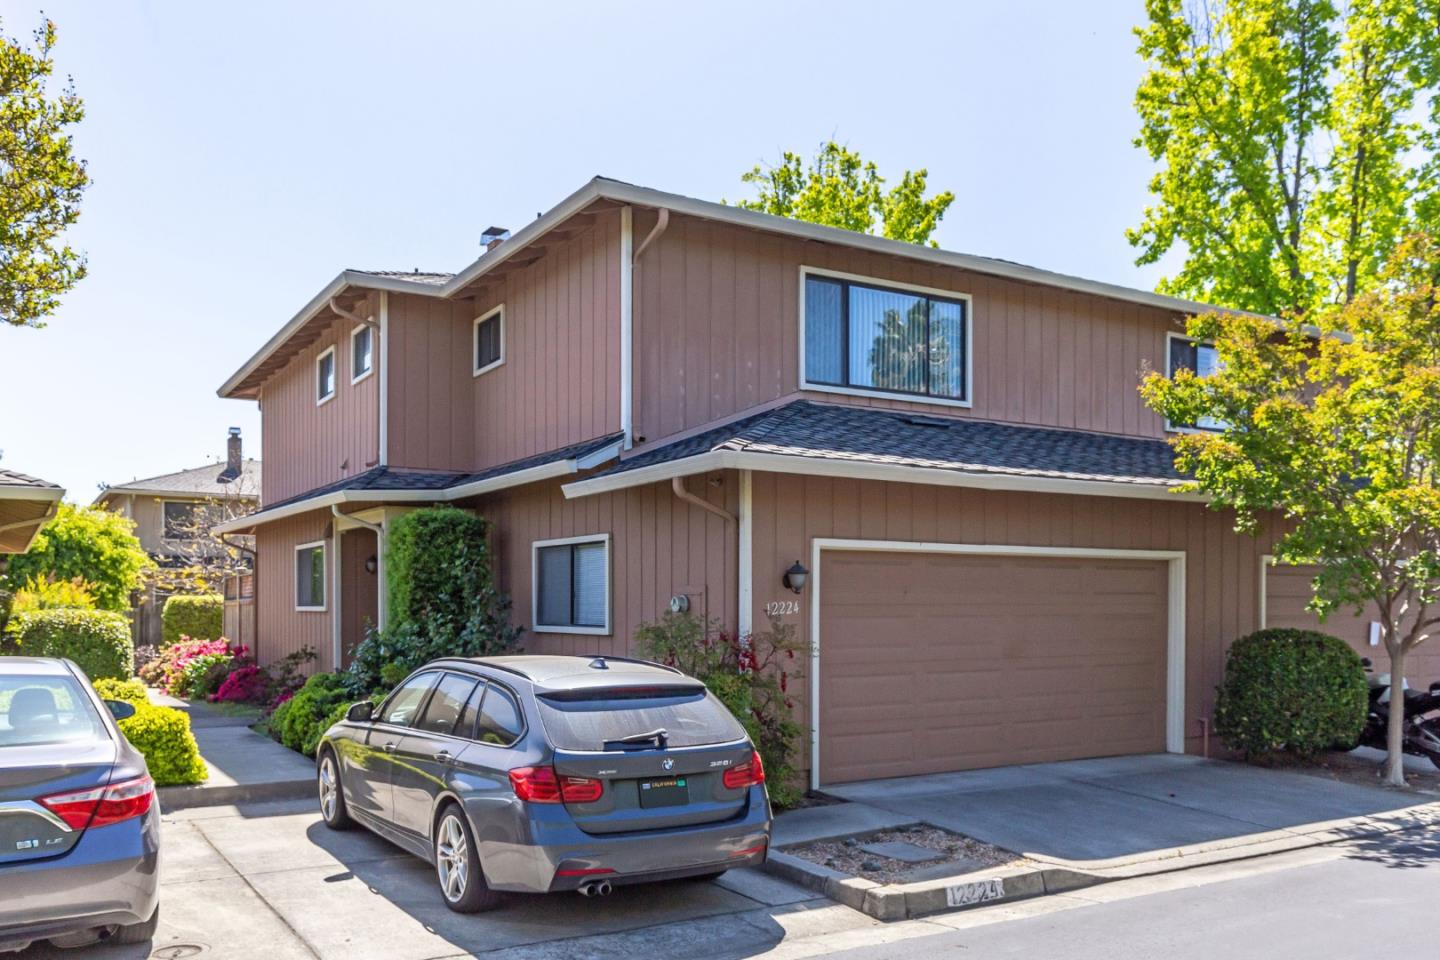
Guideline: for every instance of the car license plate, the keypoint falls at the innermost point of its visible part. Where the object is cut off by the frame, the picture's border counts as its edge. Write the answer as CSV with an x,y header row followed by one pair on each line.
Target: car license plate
x,y
665,792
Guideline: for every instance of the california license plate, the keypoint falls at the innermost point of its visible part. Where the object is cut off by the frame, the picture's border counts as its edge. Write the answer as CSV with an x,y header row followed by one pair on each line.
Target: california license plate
x,y
665,792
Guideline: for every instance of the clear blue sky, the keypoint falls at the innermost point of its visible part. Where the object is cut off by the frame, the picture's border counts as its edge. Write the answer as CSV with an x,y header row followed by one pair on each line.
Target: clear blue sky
x,y
242,154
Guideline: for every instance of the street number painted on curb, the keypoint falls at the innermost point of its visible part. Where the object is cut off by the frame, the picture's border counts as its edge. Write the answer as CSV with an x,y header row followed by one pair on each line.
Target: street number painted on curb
x,y
981,891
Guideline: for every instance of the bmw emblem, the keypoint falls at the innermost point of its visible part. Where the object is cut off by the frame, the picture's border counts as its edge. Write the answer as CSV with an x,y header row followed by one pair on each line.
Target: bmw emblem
x,y
667,763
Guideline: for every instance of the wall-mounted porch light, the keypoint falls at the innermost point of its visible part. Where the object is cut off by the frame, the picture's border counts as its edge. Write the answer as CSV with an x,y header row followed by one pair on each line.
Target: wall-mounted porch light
x,y
796,576
372,564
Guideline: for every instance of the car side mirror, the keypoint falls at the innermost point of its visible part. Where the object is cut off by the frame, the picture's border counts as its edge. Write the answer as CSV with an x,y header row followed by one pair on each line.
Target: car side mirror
x,y
121,709
360,712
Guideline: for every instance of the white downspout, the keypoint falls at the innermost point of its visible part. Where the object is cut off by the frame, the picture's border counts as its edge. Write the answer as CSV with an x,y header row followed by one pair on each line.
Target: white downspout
x,y
746,558
384,456
627,323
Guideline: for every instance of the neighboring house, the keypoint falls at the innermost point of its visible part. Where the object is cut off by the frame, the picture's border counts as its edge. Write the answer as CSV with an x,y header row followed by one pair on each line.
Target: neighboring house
x,y
935,466
173,515
25,505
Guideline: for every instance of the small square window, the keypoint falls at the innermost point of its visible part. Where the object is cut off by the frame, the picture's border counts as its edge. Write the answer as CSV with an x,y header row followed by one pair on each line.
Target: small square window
x,y
489,346
310,576
362,352
572,585
325,376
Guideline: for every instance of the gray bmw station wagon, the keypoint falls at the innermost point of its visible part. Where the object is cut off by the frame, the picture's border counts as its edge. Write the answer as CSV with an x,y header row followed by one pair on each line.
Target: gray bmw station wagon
x,y
546,773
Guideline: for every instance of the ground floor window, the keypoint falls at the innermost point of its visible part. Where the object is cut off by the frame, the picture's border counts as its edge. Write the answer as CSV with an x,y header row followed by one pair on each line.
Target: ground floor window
x,y
310,576
572,585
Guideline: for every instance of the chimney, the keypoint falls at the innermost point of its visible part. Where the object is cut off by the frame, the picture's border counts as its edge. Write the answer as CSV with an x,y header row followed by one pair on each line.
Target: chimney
x,y
234,463
493,237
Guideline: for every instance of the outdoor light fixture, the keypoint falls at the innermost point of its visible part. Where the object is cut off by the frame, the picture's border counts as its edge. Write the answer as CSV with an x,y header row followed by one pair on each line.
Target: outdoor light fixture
x,y
795,577
371,564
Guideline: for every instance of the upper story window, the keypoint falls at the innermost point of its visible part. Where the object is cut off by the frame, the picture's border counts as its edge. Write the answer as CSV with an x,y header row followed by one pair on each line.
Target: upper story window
x,y
1203,360
310,576
572,585
325,376
489,346
866,337
362,352
188,520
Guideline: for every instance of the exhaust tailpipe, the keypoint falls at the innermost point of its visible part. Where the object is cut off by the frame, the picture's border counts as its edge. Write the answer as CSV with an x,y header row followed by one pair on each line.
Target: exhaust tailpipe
x,y
595,888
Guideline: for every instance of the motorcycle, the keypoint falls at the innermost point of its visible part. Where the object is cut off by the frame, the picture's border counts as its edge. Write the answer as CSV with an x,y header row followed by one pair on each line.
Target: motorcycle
x,y
1421,737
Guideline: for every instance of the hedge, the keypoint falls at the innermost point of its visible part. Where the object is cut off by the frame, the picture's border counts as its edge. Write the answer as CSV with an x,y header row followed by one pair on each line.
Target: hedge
x,y
131,691
300,721
1294,690
163,736
200,617
97,640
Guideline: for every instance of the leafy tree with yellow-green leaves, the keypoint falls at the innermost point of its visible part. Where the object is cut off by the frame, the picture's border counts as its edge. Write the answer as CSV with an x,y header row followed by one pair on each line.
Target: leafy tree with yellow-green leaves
x,y
41,182
1334,422
1296,141
89,543
839,189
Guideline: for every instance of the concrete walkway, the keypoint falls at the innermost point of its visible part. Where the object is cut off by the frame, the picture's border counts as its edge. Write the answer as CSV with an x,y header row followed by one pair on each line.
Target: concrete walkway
x,y
244,766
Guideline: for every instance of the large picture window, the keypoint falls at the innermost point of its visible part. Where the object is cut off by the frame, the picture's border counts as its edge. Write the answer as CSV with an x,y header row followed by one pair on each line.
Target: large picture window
x,y
870,338
310,576
572,585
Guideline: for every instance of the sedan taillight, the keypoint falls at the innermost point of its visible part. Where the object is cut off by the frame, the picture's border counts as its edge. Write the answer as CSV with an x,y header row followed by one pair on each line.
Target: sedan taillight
x,y
100,806
745,774
543,785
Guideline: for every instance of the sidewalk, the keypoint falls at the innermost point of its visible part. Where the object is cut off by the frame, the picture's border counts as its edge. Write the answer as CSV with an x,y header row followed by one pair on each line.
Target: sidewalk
x,y
244,766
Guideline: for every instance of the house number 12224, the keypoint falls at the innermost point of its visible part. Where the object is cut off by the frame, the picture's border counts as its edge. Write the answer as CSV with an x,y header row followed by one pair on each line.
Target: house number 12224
x,y
779,608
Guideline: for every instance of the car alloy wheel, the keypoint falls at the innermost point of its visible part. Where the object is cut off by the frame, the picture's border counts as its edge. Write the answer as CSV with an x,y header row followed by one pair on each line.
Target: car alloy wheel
x,y
329,783
452,858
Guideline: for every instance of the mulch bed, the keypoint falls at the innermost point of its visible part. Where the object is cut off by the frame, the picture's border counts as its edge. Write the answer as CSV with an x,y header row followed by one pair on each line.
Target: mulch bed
x,y
846,856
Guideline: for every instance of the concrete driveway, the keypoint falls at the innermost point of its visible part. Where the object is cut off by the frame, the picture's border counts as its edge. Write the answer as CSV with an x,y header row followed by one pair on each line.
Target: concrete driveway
x,y
1119,807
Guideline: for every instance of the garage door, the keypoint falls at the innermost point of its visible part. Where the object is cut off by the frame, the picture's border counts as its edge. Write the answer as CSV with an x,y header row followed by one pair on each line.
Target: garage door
x,y
937,662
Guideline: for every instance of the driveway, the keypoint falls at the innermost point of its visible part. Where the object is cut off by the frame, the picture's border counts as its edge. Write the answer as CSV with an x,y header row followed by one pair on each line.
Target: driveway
x,y
1121,806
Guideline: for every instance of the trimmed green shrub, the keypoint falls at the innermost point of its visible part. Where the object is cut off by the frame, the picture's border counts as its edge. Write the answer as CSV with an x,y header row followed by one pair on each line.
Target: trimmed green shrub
x,y
98,640
442,598
93,544
163,736
131,691
1294,690
304,718
200,617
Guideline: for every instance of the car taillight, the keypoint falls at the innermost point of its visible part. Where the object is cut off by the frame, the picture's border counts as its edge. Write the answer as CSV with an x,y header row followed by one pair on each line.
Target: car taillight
x,y
101,806
543,785
745,774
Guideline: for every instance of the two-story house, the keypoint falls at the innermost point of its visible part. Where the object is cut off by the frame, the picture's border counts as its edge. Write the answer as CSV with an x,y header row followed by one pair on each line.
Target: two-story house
x,y
935,466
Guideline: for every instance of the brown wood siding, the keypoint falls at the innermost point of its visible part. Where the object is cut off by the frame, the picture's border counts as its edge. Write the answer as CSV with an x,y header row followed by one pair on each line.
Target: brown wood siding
x,y
1222,568
280,629
717,331
659,547
936,662
1288,591
559,384
306,446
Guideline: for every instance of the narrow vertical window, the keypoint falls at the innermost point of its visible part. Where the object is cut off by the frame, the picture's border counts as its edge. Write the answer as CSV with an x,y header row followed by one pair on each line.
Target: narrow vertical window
x,y
310,576
325,376
1203,360
362,352
489,347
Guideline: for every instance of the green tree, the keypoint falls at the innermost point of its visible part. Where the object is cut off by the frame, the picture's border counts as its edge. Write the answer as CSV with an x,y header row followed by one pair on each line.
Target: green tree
x,y
1291,151
839,189
40,183
1339,433
95,545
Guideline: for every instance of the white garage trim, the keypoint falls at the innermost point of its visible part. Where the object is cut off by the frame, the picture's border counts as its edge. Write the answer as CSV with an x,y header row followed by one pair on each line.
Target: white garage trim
x,y
1267,560
1175,616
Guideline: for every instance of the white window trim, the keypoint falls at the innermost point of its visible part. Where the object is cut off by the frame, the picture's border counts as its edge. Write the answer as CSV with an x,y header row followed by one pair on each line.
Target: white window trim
x,y
475,340
330,352
805,384
1169,372
535,548
295,574
370,369
1174,626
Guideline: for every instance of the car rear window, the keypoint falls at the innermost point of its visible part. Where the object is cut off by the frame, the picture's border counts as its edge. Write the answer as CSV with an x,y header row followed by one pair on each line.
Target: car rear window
x,y
598,719
46,709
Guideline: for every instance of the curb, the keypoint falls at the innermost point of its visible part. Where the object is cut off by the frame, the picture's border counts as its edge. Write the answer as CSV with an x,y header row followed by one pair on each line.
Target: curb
x,y
987,887
191,797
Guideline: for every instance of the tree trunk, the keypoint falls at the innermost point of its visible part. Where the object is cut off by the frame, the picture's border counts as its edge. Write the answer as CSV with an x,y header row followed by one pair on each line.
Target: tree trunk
x,y
1395,730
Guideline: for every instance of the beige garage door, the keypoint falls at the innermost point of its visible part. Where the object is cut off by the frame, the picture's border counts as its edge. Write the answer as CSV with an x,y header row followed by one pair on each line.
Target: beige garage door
x,y
937,662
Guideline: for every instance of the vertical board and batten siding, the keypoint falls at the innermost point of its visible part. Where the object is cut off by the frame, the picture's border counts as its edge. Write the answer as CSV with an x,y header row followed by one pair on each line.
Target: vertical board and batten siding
x,y
659,547
717,331
281,629
559,384
1221,567
305,446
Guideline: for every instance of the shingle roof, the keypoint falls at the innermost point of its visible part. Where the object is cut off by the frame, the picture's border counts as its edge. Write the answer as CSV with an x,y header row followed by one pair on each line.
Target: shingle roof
x,y
812,430
415,276
10,478
197,481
